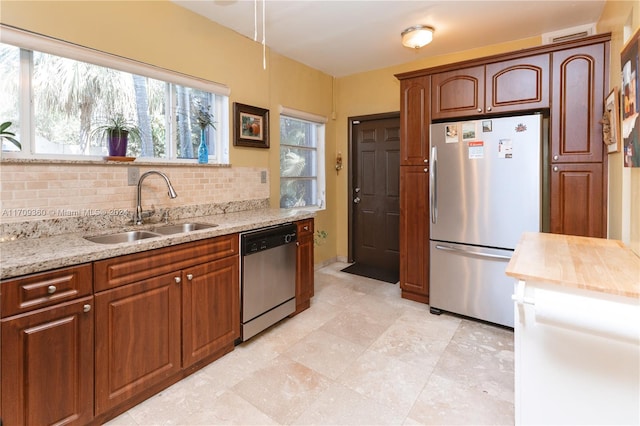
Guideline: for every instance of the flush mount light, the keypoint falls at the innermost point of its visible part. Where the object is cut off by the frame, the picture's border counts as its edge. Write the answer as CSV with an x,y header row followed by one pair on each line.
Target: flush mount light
x,y
417,36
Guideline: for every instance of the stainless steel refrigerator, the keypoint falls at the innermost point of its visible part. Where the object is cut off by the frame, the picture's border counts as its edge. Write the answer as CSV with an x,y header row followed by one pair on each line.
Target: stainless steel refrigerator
x,y
485,191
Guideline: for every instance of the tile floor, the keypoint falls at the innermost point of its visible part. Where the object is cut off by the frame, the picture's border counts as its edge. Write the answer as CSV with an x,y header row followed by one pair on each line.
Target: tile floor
x,y
361,355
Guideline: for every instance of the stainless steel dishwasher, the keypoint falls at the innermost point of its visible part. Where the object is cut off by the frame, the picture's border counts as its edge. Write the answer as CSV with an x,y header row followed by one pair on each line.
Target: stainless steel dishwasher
x,y
268,277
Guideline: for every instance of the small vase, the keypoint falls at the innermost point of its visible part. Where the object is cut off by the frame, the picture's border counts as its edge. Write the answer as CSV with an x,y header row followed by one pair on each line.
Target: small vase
x,y
203,151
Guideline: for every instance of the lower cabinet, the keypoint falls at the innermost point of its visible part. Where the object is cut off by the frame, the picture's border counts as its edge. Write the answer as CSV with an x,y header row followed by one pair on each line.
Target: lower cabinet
x,y
152,332
47,365
304,265
137,338
210,309
414,233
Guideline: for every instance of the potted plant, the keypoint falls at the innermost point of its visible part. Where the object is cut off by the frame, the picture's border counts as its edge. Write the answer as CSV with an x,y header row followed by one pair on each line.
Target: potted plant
x,y
5,134
116,130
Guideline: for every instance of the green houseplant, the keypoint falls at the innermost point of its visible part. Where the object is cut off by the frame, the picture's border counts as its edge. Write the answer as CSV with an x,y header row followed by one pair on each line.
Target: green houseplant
x,y
116,130
5,134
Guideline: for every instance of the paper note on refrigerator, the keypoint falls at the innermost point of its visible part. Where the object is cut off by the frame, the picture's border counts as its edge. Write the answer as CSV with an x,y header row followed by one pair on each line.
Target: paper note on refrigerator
x,y
476,150
505,148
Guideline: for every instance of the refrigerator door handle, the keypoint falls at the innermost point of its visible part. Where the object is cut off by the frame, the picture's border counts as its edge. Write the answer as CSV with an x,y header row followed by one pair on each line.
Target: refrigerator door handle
x,y
433,202
472,253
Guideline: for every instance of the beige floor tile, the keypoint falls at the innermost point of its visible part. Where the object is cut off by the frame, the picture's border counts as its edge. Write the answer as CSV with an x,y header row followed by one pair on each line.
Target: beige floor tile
x,y
385,379
340,405
447,402
283,390
326,353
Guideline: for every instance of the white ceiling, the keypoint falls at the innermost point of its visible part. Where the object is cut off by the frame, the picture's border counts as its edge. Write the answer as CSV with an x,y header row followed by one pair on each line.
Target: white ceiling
x,y
347,37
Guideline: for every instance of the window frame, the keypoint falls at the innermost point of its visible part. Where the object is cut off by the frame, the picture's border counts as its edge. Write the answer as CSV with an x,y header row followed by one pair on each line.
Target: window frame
x,y
28,42
320,123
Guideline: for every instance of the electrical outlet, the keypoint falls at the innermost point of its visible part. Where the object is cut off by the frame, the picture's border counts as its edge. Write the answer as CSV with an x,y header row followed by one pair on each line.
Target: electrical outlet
x,y
133,176
263,176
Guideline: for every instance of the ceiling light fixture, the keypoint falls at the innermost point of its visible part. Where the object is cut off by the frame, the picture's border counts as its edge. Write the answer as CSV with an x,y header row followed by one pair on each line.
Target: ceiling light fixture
x,y
417,36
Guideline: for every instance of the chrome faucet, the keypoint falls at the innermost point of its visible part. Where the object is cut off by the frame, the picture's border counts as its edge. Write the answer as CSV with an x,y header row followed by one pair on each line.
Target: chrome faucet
x,y
172,193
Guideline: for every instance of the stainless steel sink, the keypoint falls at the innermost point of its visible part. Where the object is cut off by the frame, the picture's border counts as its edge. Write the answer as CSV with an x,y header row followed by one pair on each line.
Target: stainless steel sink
x,y
122,237
185,227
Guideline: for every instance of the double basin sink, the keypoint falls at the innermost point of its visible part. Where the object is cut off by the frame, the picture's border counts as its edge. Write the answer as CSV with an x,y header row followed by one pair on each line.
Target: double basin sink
x,y
132,236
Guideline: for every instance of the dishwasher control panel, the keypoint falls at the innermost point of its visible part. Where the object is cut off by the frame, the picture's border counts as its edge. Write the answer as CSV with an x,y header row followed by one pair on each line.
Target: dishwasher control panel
x,y
265,239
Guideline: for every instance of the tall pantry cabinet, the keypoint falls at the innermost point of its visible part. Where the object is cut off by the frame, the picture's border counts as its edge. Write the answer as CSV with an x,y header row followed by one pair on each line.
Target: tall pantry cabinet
x,y
566,82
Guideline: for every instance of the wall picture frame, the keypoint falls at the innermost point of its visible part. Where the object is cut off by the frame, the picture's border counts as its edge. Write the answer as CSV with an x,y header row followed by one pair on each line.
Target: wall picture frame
x,y
630,102
250,126
612,117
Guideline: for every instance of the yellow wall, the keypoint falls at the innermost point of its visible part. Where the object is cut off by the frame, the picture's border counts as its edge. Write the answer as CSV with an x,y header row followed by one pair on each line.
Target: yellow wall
x,y
624,183
162,34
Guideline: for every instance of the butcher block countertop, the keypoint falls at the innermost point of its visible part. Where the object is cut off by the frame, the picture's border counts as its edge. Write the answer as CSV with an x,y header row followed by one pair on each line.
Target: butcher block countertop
x,y
595,264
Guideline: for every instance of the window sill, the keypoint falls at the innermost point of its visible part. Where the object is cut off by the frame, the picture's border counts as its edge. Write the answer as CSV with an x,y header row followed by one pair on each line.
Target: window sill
x,y
95,161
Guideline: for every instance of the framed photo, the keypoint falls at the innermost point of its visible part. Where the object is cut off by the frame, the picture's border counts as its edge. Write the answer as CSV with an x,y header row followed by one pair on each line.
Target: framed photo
x,y
250,126
612,117
630,94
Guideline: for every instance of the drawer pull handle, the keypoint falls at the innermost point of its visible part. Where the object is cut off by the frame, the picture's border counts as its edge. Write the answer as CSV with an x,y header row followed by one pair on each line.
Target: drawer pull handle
x,y
86,308
177,280
189,277
51,289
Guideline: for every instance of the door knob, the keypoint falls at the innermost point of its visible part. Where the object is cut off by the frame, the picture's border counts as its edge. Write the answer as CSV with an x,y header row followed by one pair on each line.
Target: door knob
x,y
356,190
356,200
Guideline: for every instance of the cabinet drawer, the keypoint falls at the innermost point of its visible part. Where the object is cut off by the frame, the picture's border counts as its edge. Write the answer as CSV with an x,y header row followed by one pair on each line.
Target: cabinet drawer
x,y
305,227
117,271
44,289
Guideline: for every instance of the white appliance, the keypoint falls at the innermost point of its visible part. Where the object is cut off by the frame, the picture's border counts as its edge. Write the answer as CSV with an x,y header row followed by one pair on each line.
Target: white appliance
x,y
577,356
484,193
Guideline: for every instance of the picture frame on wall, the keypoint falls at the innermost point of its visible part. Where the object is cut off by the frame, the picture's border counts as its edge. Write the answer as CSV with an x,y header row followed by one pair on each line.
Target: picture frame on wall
x,y
630,94
250,126
612,117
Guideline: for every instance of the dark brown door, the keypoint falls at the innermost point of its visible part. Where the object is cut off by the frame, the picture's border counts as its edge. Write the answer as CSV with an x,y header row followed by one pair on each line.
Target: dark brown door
x,y
375,190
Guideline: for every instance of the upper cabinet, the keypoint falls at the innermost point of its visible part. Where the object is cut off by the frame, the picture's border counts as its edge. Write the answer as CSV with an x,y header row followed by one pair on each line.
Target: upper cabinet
x,y
578,92
415,120
515,85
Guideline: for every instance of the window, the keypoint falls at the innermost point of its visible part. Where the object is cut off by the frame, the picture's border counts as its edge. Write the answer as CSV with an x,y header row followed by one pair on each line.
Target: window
x,y
73,95
302,181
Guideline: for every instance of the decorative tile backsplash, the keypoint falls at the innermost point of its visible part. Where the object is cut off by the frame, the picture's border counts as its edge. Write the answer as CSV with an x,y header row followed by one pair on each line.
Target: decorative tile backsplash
x,y
50,195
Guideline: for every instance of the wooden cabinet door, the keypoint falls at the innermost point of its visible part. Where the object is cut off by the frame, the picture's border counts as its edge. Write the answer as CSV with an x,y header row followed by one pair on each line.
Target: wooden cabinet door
x,y
457,93
414,233
47,365
210,309
577,204
137,338
518,84
578,93
415,120
304,266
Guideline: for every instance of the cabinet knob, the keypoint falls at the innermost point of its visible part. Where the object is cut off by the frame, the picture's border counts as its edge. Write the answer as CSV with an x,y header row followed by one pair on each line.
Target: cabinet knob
x,y
51,289
178,280
479,109
297,243
306,228
488,108
86,308
426,169
555,168
189,277
555,157
426,160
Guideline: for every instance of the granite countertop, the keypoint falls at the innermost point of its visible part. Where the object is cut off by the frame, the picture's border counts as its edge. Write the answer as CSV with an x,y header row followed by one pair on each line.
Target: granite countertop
x,y
595,264
30,255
